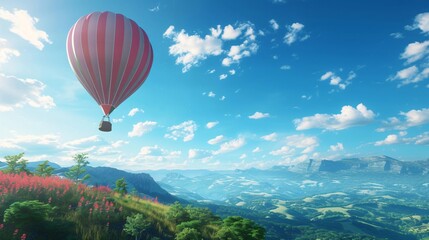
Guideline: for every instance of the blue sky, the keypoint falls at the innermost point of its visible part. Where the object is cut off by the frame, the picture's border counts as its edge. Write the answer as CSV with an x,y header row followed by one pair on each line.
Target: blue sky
x,y
234,84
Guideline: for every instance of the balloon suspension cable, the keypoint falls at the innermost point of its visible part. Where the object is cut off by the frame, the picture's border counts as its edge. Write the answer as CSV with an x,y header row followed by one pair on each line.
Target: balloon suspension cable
x,y
105,124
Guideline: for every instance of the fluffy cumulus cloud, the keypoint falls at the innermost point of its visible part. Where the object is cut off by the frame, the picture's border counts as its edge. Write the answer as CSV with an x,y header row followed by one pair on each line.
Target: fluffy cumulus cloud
x,y
216,140
348,117
421,21
23,24
415,53
412,118
190,50
185,131
421,139
230,146
134,111
270,137
16,92
335,80
245,49
390,139
274,24
337,147
6,53
231,33
295,32
142,128
210,125
259,115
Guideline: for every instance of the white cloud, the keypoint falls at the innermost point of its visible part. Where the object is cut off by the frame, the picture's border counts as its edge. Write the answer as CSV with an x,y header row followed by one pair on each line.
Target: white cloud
x,y
397,35
229,33
185,130
134,111
348,117
110,147
294,33
191,49
270,137
337,147
285,67
256,150
412,118
156,153
259,115
237,52
154,9
274,24
422,139
421,22
223,76
326,76
23,25
283,151
212,71
230,146
169,32
416,117
82,141
232,72
390,139
279,1
211,94
415,51
24,142
243,156
408,75
192,153
222,98
16,92
210,125
216,140
335,80
306,97
308,144
142,128
6,53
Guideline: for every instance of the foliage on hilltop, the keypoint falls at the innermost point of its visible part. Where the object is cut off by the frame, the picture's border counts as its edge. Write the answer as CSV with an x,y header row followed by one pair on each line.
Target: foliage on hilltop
x,y
44,207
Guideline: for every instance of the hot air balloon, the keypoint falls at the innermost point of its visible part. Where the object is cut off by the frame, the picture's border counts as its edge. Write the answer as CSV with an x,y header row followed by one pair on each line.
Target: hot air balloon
x,y
111,56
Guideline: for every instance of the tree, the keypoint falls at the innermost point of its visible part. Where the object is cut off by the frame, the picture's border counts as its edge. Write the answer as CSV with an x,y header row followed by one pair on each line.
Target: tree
x,y
177,213
136,225
44,170
76,171
238,228
188,234
16,164
121,186
27,214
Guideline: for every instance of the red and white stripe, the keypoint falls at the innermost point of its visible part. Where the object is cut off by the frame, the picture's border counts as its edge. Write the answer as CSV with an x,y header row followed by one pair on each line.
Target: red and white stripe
x,y
111,56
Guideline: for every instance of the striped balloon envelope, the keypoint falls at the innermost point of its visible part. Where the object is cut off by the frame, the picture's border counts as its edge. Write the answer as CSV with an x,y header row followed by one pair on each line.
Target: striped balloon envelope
x,y
110,55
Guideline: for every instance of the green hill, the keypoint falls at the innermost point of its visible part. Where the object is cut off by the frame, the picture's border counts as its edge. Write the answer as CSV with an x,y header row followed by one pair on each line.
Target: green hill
x,y
33,207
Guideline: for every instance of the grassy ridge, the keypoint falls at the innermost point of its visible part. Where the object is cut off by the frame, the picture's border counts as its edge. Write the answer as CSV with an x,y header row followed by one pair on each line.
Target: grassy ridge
x,y
36,208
